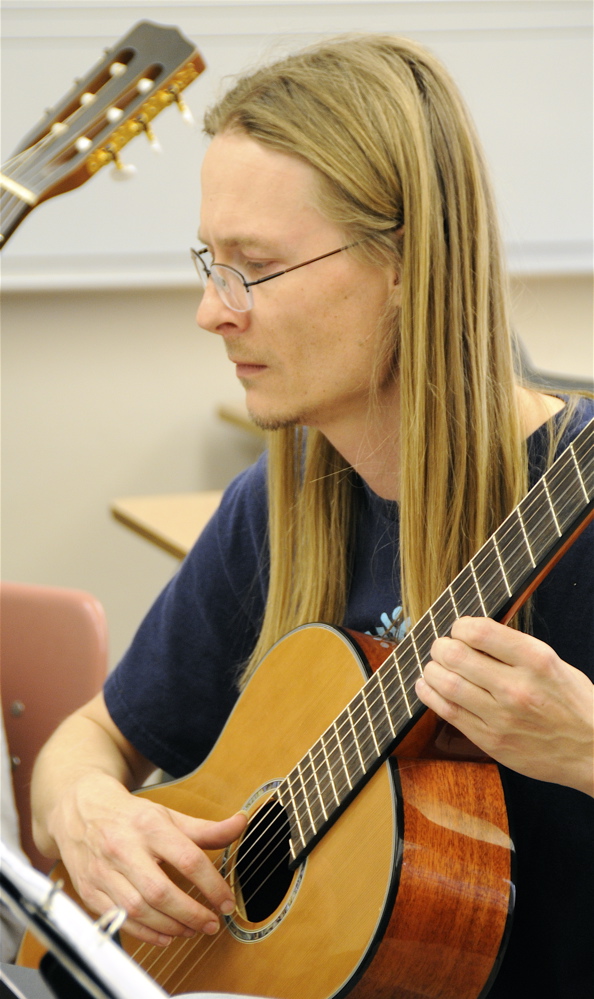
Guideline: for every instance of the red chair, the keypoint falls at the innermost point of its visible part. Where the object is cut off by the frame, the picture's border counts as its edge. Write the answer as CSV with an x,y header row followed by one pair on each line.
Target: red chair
x,y
53,645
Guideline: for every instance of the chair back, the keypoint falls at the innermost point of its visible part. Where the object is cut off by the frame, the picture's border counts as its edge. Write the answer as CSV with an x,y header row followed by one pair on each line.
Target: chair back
x,y
53,648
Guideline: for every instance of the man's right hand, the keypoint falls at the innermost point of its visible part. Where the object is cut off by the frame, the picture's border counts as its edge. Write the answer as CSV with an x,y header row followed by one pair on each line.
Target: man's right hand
x,y
114,843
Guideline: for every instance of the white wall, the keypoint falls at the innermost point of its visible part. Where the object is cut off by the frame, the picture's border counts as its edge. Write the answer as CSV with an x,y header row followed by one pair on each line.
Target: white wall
x,y
108,387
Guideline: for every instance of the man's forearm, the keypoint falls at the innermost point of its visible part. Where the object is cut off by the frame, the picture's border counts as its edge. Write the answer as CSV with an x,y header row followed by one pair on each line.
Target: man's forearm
x,y
80,747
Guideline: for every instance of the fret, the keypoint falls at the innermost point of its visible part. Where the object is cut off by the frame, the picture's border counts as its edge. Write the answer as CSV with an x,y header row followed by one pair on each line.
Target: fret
x,y
361,733
552,508
425,635
329,785
396,678
478,590
313,802
298,841
300,804
384,698
510,542
542,523
577,468
491,578
466,593
583,452
566,492
414,645
316,797
433,625
441,614
343,763
501,566
370,722
450,593
519,514
378,712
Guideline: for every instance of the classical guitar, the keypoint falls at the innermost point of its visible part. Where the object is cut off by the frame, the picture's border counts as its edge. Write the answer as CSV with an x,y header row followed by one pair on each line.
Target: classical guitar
x,y
140,76
377,861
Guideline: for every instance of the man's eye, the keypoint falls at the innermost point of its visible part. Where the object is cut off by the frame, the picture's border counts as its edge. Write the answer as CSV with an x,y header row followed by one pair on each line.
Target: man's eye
x,y
257,265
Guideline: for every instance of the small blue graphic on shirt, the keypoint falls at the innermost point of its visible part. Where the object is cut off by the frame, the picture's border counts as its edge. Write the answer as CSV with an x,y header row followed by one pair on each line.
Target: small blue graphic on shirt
x,y
392,625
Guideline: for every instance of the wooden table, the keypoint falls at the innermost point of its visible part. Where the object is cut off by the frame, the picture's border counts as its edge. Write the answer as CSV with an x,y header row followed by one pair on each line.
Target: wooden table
x,y
173,521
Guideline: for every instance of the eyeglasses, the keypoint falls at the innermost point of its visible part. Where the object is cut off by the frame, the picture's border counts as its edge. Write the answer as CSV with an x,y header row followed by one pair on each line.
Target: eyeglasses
x,y
234,291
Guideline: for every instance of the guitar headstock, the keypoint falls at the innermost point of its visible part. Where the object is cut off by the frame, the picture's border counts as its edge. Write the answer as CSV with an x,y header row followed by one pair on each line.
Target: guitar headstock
x,y
142,74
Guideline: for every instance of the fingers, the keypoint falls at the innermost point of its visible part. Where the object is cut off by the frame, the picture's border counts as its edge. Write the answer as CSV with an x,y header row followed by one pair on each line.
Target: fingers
x,y
501,643
152,899
128,860
515,698
466,676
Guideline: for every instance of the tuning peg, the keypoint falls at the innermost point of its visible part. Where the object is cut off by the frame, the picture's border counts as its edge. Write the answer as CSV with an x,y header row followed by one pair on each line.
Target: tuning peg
x,y
87,98
121,171
183,107
152,138
114,114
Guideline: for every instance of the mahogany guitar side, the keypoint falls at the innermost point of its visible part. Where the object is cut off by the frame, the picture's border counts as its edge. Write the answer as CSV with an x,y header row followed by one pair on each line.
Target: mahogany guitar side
x,y
407,895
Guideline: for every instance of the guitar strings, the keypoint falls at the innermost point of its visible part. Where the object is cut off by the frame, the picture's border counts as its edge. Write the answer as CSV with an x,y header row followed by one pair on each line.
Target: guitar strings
x,y
10,204
191,941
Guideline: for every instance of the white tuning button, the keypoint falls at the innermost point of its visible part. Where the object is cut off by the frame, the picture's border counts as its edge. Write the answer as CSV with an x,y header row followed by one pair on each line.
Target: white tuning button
x,y
184,109
152,138
114,114
121,171
59,127
153,141
144,85
87,98
117,68
83,144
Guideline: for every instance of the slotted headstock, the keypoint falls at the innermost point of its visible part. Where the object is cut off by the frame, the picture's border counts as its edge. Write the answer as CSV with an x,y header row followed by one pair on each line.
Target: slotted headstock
x,y
144,73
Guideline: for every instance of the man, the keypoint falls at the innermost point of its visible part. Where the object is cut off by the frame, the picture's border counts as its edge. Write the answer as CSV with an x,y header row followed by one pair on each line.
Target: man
x,y
352,269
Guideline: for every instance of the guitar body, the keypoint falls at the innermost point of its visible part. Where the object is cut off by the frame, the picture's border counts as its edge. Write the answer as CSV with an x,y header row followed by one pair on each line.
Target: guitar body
x,y
406,895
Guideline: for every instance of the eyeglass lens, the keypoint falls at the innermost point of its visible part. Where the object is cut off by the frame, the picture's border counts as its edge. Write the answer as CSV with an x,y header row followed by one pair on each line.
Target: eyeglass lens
x,y
229,285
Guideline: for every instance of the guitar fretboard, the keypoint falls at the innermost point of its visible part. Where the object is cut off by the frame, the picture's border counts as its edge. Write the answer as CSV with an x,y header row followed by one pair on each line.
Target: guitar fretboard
x,y
375,720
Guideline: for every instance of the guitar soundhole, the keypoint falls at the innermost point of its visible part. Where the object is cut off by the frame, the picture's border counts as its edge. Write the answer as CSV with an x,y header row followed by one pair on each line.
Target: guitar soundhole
x,y
262,866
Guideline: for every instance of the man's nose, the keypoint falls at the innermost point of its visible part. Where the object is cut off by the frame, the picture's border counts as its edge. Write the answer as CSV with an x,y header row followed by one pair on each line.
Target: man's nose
x,y
216,317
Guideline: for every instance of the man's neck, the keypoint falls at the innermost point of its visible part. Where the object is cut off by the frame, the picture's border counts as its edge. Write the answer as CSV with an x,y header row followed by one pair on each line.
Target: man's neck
x,y
371,444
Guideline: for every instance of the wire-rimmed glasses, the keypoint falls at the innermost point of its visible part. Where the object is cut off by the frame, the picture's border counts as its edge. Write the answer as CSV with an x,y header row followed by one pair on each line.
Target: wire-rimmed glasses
x,y
233,289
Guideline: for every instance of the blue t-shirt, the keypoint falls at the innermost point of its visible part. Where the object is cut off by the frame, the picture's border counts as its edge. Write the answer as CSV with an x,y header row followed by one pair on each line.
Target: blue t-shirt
x,y
175,687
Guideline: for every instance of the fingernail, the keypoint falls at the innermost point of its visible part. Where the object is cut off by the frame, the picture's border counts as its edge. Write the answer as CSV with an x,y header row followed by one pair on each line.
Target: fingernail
x,y
228,907
211,928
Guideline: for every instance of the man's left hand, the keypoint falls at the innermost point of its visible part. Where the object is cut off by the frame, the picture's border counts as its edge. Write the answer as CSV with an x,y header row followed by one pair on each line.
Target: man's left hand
x,y
515,699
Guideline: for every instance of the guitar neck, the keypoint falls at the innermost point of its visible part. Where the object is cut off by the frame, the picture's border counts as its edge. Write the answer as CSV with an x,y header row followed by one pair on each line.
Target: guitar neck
x,y
495,583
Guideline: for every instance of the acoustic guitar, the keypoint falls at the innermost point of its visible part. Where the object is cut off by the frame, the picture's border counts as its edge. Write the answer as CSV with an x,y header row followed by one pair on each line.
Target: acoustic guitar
x,y
377,862
145,72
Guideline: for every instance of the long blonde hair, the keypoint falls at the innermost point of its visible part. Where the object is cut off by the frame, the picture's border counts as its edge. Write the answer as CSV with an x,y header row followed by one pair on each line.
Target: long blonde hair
x,y
384,126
